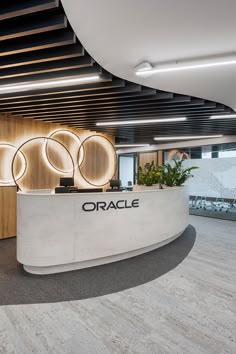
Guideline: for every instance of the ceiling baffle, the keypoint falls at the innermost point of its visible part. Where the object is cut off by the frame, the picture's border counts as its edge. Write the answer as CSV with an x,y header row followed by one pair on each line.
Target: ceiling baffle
x,y
38,43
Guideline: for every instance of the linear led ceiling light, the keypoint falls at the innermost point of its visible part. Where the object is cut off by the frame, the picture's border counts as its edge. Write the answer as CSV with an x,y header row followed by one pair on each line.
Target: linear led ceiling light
x,y
187,137
142,121
144,70
130,145
49,83
223,116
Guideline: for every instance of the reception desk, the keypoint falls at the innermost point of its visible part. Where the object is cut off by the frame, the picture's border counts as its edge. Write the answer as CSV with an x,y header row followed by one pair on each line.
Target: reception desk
x,y
62,232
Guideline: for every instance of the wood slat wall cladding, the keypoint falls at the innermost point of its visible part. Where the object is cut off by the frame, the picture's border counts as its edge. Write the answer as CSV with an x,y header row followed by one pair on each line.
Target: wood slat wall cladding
x,y
48,160
160,157
148,157
7,212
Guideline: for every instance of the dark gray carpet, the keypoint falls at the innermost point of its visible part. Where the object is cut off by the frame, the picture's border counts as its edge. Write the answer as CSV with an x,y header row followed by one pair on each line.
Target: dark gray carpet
x,y
19,287
213,214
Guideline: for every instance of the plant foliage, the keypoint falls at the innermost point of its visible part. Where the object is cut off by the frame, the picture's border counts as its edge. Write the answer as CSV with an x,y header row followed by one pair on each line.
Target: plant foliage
x,y
168,174
149,175
176,175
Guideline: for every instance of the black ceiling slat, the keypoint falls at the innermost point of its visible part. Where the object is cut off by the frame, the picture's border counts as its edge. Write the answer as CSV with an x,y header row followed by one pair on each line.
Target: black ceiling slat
x,y
100,104
113,104
151,126
165,104
148,138
42,56
70,116
128,103
148,128
152,129
19,8
37,24
101,96
37,42
158,131
52,66
95,99
74,89
161,132
162,127
181,98
73,117
35,100
109,110
69,73
135,112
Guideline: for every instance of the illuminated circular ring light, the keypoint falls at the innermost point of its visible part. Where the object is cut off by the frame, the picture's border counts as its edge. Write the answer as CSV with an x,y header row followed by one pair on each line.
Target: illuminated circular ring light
x,y
115,165
23,162
27,141
68,132
181,155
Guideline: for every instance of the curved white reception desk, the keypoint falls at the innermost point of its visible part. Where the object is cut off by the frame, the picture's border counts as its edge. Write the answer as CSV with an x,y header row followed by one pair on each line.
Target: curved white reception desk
x,y
62,232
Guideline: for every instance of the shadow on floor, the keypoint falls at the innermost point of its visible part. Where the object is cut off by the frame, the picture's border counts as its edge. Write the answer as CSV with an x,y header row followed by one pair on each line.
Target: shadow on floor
x,y
19,287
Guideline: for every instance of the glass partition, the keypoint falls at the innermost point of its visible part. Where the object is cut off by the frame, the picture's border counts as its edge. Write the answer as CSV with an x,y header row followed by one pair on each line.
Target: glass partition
x,y
213,186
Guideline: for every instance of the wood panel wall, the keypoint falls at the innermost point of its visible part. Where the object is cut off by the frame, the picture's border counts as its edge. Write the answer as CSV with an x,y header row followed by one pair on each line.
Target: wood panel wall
x,y
160,159
148,157
7,212
98,162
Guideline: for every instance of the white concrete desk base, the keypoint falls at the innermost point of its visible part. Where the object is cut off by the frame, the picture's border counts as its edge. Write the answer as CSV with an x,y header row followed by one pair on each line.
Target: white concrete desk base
x,y
55,233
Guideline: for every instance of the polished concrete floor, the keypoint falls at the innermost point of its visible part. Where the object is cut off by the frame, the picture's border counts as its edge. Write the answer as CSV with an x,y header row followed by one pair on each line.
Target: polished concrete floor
x,y
190,309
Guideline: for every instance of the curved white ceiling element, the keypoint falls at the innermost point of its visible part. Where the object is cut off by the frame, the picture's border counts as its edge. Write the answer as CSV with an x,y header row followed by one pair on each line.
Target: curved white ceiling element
x,y
119,35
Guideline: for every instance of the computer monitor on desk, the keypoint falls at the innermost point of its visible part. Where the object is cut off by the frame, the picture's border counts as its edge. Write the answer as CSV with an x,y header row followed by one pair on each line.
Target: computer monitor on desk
x,y
115,183
67,181
66,185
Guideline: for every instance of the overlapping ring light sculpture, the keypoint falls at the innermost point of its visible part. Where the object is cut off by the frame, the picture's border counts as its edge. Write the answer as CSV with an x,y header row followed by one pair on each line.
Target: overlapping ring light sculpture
x,y
23,164
79,160
74,136
45,138
107,141
182,155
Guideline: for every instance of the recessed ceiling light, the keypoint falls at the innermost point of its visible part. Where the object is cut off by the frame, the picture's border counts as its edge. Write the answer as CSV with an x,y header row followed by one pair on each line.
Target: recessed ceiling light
x,y
142,121
42,84
223,116
129,145
178,66
187,137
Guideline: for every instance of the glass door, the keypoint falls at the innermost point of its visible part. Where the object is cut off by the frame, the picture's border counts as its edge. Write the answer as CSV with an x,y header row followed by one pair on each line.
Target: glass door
x,y
127,168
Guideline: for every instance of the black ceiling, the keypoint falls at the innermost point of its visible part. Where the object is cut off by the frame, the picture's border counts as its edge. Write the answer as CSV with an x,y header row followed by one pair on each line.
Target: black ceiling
x,y
37,43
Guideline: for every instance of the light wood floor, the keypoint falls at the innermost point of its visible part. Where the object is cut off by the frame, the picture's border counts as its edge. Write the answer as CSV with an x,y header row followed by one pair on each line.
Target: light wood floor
x,y
189,310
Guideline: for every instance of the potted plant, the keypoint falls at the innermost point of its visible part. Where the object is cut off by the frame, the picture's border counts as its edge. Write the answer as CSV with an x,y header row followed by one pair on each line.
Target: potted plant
x,y
169,174
146,175
149,175
175,175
